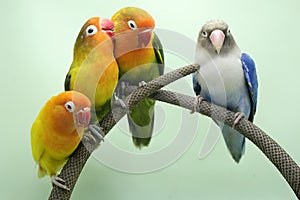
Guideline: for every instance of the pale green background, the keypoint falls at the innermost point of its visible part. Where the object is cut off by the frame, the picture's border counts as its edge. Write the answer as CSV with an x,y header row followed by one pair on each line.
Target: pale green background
x,y
37,39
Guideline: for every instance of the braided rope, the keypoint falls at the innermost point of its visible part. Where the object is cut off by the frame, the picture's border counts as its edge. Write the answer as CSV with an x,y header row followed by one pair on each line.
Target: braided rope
x,y
274,152
284,163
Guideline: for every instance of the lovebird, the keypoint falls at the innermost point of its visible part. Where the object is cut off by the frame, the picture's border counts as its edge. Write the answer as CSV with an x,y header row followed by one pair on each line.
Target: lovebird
x,y
140,57
57,131
227,78
94,70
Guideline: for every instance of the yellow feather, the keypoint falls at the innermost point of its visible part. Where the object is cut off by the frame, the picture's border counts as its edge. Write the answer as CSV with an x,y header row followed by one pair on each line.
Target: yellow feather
x,y
54,136
94,70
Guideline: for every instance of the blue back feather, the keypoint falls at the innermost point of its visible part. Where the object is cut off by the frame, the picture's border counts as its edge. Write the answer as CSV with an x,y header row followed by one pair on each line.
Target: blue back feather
x,y
196,86
251,80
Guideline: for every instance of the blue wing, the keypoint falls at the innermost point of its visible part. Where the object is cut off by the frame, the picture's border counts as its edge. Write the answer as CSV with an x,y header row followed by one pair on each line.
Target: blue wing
x,y
196,86
251,80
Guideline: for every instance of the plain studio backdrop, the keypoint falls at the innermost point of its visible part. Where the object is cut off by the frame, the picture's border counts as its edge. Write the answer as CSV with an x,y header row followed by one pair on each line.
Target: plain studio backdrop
x,y
37,39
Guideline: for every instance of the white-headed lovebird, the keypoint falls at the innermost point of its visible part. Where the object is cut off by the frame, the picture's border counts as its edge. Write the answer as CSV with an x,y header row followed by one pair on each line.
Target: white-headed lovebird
x,y
227,78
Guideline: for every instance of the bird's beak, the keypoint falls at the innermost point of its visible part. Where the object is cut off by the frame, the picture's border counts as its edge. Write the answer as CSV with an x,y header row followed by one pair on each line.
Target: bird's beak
x,y
107,26
144,37
217,38
82,117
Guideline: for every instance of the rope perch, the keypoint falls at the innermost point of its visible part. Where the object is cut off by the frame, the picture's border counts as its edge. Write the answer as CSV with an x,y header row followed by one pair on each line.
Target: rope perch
x,y
277,155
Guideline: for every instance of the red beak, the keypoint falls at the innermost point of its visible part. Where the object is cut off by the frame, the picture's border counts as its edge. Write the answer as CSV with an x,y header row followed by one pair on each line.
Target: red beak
x,y
107,26
82,117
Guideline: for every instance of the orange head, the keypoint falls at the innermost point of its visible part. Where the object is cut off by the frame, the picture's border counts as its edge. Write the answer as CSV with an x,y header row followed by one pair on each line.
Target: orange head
x,y
95,31
133,27
68,111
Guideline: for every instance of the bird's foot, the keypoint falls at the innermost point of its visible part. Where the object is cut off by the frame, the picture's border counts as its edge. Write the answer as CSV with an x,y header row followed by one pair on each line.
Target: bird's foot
x,y
119,102
237,117
142,83
94,134
197,102
59,182
122,89
196,65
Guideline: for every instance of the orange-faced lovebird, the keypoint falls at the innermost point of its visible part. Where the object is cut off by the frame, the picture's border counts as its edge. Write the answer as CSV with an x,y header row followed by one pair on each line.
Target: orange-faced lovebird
x,y
94,70
140,58
57,131
226,77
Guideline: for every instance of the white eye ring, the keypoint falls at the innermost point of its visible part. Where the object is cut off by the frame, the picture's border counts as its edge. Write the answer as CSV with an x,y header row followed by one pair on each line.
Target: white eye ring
x,y
91,30
70,106
228,31
204,33
132,24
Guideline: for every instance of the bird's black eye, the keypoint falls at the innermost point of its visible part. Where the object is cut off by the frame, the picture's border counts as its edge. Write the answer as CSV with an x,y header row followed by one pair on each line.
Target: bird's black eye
x,y
70,106
228,31
204,33
91,30
132,24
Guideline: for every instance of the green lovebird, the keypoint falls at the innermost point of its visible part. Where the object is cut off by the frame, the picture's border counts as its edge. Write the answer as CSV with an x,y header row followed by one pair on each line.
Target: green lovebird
x,y
140,58
94,70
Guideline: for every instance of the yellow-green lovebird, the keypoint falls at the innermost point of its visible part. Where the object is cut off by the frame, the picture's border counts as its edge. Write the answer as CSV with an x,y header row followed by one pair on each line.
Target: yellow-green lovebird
x,y
57,131
140,58
94,70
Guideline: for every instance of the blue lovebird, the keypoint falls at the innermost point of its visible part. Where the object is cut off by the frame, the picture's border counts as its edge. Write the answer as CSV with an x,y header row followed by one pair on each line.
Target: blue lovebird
x,y
227,78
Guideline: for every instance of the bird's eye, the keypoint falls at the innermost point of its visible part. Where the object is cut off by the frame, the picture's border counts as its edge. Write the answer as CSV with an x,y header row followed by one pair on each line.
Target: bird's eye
x,y
132,24
204,33
91,30
228,31
70,106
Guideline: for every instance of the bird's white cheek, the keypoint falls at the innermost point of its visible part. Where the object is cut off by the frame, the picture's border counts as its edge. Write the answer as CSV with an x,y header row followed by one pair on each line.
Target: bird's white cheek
x,y
202,56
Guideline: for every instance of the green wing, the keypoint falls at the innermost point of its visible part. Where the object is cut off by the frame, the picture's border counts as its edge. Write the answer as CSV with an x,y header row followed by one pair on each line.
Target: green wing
x,y
141,118
68,82
159,54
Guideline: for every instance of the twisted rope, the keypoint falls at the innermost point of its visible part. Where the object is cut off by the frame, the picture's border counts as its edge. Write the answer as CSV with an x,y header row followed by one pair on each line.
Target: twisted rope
x,y
274,152
283,162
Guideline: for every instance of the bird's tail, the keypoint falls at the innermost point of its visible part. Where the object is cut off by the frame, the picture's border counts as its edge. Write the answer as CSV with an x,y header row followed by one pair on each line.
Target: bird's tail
x,y
235,142
141,123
